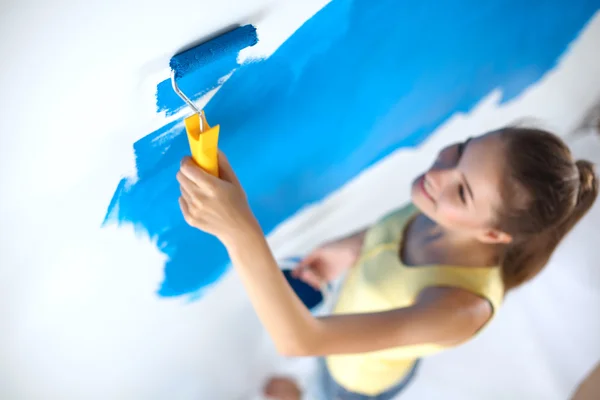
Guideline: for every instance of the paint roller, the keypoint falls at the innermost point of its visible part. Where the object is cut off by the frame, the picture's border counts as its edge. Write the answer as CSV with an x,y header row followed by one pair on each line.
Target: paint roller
x,y
202,138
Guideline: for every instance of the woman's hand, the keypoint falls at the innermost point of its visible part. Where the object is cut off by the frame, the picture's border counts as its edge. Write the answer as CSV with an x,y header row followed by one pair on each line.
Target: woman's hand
x,y
215,205
329,261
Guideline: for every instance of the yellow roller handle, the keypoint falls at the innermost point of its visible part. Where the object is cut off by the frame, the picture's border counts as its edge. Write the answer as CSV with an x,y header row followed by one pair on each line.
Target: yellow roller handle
x,y
204,144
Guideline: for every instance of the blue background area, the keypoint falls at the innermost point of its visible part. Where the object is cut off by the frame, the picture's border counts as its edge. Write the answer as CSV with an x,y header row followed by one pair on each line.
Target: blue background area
x,y
355,82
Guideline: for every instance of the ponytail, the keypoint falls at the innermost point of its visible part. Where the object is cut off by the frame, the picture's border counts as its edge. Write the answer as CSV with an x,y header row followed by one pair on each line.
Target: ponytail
x,y
588,188
559,192
525,258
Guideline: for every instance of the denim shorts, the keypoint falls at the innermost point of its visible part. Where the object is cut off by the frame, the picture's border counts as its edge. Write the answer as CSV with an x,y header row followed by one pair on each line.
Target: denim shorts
x,y
331,390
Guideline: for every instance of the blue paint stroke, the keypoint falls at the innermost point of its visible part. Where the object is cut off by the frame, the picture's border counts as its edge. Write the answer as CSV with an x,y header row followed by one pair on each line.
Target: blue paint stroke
x,y
157,161
356,82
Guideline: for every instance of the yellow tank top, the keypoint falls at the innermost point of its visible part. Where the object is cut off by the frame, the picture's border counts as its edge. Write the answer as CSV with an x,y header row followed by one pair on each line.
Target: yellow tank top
x,y
378,282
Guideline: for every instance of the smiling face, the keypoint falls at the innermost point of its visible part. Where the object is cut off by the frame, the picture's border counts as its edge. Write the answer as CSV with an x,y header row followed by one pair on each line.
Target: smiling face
x,y
461,190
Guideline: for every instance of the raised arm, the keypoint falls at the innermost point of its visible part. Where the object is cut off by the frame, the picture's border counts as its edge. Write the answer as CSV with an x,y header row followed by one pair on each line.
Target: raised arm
x,y
219,206
441,315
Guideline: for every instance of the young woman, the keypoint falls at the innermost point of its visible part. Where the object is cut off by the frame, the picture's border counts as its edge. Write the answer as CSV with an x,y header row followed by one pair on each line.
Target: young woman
x,y
484,219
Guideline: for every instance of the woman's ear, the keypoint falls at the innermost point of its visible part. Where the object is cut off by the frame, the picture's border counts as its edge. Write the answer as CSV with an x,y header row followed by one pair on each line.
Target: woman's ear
x,y
495,236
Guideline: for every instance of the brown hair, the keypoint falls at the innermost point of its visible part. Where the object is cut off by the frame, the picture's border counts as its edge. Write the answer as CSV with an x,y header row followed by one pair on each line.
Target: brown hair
x,y
545,194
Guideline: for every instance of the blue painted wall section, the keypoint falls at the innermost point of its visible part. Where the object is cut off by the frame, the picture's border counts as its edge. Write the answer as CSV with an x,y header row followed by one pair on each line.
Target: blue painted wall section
x,y
357,81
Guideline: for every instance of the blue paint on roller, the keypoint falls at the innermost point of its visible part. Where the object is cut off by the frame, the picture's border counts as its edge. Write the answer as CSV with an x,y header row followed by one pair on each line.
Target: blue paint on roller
x,y
199,69
357,81
205,54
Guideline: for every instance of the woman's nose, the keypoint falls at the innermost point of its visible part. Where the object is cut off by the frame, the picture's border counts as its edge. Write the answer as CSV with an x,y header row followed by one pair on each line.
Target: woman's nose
x,y
439,178
435,177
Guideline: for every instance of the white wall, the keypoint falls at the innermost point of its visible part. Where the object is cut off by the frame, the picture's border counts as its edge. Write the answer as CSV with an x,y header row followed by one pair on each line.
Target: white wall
x,y
77,90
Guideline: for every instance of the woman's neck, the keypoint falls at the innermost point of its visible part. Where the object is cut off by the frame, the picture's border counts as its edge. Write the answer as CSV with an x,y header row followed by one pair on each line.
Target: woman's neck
x,y
428,243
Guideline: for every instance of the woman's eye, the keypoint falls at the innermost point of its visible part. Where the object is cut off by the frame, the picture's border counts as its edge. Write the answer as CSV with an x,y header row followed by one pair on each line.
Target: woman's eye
x,y
461,193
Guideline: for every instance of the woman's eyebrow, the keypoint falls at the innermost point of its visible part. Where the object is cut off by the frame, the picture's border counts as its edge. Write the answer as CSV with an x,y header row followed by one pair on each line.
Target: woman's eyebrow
x,y
465,144
468,187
